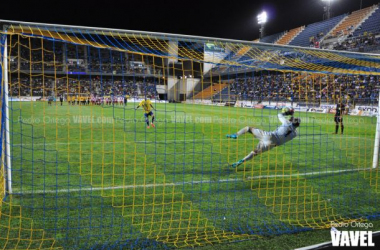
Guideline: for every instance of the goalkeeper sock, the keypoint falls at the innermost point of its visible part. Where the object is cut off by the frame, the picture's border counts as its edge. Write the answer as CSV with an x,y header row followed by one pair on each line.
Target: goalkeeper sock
x,y
336,129
243,131
342,128
153,119
147,121
249,157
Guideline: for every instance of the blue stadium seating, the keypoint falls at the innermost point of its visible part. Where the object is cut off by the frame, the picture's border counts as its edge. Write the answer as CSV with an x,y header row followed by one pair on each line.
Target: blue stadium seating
x,y
223,95
303,39
271,38
371,25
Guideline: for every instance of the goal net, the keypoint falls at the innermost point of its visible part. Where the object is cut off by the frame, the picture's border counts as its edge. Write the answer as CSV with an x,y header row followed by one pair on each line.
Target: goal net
x,y
118,139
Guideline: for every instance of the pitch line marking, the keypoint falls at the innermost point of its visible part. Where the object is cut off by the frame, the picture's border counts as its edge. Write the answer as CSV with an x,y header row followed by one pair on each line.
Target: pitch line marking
x,y
189,140
182,183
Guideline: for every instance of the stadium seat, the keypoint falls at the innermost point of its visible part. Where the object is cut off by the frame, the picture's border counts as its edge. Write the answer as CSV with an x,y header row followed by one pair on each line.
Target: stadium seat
x,y
290,36
272,38
371,25
353,20
314,30
210,91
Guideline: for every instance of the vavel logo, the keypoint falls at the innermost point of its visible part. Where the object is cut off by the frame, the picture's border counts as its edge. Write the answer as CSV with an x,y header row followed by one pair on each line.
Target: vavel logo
x,y
351,238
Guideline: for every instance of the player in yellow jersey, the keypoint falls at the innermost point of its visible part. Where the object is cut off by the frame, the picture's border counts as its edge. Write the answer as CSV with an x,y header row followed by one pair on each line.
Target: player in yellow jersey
x,y
147,106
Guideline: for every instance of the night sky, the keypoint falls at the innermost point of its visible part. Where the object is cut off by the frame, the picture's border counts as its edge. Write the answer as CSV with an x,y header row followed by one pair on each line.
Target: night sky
x,y
224,19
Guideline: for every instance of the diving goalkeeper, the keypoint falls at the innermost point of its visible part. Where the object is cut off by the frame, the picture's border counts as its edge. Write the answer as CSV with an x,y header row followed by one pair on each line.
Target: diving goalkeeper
x,y
268,140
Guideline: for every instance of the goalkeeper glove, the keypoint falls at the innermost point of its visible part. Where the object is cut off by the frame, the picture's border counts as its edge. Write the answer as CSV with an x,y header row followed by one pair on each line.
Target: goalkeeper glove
x,y
287,111
284,110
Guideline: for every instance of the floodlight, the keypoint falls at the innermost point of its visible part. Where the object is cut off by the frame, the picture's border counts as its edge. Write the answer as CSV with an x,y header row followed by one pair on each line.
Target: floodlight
x,y
262,18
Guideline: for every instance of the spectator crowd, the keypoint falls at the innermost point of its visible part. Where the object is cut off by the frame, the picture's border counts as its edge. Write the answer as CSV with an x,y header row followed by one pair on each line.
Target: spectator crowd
x,y
37,86
303,87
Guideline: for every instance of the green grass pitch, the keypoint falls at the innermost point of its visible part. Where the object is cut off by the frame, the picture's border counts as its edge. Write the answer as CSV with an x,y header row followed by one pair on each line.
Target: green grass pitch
x,y
96,176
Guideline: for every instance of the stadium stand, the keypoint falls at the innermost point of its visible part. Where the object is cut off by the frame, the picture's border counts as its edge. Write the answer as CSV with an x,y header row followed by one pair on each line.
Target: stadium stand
x,y
359,89
365,43
370,25
354,32
272,38
149,90
350,23
315,30
288,37
75,59
224,95
210,91
25,86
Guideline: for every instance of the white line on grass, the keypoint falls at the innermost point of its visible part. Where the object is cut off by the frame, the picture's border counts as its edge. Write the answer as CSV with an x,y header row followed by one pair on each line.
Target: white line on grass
x,y
183,183
189,140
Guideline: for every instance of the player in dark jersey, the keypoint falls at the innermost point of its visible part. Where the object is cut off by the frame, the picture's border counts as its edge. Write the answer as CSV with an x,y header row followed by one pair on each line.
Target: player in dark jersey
x,y
338,118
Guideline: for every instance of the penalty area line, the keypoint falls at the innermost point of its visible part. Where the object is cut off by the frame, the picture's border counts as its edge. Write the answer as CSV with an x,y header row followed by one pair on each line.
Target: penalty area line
x,y
73,190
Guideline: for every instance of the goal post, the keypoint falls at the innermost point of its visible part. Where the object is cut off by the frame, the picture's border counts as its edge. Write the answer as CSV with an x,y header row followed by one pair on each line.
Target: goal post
x,y
8,172
375,163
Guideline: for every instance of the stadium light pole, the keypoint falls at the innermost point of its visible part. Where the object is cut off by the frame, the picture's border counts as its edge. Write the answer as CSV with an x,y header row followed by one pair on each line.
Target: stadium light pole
x,y
327,9
262,19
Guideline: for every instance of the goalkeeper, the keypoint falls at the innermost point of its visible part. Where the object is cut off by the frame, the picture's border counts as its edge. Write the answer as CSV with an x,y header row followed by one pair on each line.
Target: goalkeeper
x,y
147,106
268,140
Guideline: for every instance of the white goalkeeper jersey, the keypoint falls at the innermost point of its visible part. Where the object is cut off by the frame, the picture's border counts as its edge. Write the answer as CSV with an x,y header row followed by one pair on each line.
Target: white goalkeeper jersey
x,y
283,133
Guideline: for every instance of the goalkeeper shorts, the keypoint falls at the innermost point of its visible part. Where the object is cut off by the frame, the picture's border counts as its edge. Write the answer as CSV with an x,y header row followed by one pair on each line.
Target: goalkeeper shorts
x,y
265,138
